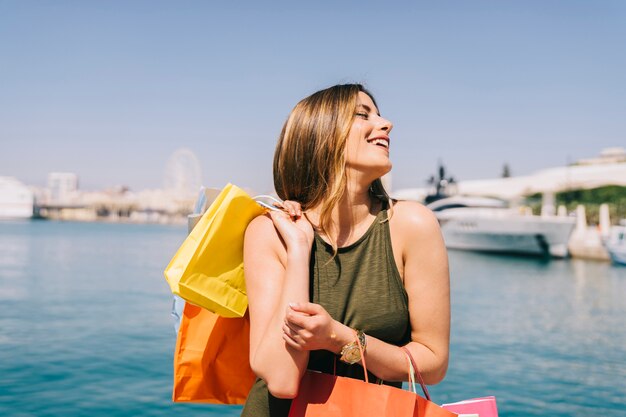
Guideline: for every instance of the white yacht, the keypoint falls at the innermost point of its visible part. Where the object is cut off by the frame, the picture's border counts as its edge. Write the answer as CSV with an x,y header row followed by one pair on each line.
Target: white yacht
x,y
16,200
488,224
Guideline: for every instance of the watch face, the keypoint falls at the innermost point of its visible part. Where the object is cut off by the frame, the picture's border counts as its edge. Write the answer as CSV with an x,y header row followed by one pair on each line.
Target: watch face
x,y
353,355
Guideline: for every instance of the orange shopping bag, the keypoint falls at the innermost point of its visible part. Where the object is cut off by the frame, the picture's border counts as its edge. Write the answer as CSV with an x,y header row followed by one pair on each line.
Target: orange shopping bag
x,y
211,358
325,395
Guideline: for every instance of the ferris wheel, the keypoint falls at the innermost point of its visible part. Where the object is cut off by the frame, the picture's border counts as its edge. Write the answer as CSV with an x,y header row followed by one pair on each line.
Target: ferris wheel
x,y
183,175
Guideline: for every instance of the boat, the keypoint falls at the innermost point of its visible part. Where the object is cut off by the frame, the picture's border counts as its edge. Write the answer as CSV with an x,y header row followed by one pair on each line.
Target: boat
x,y
17,201
489,225
616,244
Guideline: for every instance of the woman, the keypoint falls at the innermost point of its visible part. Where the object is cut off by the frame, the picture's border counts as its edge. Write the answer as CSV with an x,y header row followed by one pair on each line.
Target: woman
x,y
346,262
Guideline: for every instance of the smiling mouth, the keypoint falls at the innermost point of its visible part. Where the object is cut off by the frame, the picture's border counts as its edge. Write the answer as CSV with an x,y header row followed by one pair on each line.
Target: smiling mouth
x,y
382,142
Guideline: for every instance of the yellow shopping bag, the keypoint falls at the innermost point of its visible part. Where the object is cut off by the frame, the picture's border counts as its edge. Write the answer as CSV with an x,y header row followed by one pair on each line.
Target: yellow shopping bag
x,y
207,269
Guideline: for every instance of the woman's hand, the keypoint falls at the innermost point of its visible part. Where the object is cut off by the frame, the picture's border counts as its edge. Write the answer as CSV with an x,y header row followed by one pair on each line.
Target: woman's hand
x,y
292,207
308,326
293,226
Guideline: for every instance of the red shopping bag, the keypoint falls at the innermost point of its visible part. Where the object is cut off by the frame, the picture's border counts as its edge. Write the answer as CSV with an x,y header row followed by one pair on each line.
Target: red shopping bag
x,y
211,358
325,395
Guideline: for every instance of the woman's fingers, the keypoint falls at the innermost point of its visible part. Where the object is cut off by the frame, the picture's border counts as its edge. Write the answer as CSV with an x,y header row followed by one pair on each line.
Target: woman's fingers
x,y
291,329
292,343
293,208
310,325
298,333
295,335
298,319
305,315
283,222
307,308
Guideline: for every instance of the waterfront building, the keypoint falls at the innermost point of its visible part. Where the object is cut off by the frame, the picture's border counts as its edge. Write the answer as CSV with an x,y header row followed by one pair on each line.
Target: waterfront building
x,y
607,169
16,200
607,156
62,186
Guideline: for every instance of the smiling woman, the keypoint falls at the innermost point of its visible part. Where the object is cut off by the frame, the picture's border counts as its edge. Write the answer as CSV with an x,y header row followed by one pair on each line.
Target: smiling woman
x,y
338,264
367,147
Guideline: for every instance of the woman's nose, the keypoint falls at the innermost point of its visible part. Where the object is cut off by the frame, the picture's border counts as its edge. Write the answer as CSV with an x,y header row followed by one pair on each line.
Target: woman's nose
x,y
385,125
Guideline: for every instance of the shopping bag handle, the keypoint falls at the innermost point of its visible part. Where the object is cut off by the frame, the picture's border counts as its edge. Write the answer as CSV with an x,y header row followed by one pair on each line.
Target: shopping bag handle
x,y
268,206
417,372
358,342
414,371
412,387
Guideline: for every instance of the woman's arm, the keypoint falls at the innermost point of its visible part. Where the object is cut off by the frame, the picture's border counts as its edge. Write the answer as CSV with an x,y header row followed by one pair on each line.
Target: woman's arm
x,y
417,235
417,238
276,265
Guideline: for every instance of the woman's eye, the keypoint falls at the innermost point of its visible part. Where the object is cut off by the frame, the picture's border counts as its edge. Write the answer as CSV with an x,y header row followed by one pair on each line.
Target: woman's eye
x,y
363,115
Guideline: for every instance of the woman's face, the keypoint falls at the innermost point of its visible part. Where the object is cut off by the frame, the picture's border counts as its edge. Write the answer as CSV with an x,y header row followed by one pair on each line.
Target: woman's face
x,y
367,147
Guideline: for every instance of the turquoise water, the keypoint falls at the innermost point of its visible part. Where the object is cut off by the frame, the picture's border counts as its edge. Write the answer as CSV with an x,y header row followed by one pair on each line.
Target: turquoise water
x,y
85,327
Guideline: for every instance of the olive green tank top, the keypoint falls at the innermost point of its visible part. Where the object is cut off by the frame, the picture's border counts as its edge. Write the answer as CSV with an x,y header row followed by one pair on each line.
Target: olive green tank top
x,y
359,287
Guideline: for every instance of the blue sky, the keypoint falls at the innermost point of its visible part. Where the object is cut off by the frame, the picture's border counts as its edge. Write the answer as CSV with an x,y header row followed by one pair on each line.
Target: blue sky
x,y
110,89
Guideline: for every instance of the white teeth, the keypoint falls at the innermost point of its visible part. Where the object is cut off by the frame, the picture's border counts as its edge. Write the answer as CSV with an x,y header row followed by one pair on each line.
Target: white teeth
x,y
380,142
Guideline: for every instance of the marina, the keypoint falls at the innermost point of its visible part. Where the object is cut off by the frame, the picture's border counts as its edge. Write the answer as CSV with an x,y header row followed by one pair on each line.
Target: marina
x,y
495,215
85,327
484,215
122,121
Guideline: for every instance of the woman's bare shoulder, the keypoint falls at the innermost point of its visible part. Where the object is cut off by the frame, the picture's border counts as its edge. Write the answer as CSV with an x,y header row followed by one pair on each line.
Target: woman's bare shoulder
x,y
261,234
261,229
414,217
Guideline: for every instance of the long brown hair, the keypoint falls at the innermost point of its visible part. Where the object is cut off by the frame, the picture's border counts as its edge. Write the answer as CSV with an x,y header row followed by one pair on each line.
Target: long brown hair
x,y
309,161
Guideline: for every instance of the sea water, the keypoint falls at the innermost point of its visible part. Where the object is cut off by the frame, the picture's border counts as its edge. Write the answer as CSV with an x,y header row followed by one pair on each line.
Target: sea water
x,y
85,327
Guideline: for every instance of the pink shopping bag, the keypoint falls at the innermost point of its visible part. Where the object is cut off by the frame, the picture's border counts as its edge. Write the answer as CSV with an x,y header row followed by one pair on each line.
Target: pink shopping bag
x,y
483,407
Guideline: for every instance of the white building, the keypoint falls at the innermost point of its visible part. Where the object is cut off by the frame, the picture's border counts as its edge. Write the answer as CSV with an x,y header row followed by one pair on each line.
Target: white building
x,y
608,169
63,186
16,199
607,156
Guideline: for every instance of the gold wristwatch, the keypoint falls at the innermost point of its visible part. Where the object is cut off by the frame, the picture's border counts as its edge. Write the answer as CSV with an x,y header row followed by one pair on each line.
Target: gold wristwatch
x,y
350,353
